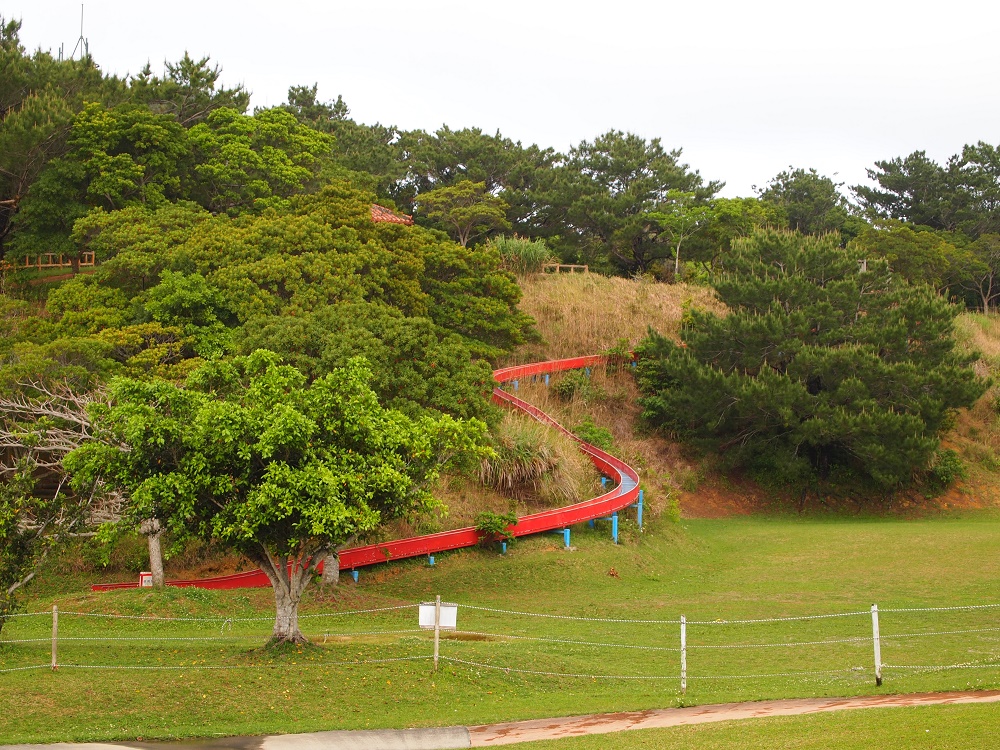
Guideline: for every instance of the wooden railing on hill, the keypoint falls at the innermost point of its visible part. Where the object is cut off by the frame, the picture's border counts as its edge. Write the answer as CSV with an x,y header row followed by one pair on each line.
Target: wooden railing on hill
x,y
57,260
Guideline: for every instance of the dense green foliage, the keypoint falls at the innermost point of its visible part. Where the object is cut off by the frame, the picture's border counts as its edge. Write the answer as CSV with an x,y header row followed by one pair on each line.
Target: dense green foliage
x,y
962,195
251,455
317,282
596,204
74,139
822,363
939,221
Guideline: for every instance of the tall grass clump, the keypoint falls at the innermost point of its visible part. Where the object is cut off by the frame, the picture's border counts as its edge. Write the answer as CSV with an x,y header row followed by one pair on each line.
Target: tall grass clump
x,y
536,462
520,255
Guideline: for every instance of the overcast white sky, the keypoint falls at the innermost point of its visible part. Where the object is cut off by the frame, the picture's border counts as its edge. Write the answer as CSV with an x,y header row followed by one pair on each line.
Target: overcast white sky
x,y
745,88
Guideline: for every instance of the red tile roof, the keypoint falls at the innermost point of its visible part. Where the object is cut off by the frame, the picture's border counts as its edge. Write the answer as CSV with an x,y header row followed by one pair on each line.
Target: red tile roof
x,y
381,213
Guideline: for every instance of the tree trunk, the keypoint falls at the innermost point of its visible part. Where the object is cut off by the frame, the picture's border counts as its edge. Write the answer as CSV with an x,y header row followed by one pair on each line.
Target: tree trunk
x,y
331,569
286,617
289,579
152,530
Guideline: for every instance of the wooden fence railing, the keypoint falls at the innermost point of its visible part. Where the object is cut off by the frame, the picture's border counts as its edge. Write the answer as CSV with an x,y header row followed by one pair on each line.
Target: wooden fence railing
x,y
56,260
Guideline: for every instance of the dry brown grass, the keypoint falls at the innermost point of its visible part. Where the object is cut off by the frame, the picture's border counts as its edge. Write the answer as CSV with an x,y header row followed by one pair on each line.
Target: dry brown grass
x,y
976,436
588,313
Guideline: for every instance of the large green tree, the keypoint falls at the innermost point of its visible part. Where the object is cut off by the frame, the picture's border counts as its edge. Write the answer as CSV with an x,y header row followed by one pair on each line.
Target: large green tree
x,y
250,163
466,210
921,255
188,91
250,455
811,202
820,362
448,157
595,204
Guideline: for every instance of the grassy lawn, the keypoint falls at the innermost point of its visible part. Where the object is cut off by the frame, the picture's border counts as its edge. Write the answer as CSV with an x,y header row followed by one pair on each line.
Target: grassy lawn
x,y
213,678
932,727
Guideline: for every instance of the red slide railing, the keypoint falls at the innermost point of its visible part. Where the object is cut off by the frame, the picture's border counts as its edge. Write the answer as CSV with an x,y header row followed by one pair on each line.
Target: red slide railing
x,y
625,493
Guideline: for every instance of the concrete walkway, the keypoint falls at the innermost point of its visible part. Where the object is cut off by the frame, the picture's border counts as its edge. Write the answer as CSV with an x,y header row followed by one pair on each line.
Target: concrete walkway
x,y
488,735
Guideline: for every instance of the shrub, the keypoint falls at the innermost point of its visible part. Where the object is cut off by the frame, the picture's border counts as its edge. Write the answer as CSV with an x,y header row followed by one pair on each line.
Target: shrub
x,y
619,356
821,364
597,436
947,467
493,526
577,383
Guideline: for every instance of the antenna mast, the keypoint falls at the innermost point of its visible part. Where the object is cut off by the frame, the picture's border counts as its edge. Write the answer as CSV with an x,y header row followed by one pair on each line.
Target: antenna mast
x,y
82,44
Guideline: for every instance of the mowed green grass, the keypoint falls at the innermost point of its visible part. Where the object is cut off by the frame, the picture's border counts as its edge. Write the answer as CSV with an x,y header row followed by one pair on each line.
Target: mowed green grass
x,y
707,570
958,727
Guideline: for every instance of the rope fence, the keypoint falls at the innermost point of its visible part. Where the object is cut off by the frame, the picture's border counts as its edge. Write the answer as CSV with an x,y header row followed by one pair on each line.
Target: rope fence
x,y
860,646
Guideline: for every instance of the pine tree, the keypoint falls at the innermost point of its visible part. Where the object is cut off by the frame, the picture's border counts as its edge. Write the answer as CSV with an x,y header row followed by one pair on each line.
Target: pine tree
x,y
824,360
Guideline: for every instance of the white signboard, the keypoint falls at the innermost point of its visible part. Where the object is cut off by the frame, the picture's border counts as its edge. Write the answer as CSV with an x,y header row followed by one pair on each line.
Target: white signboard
x,y
449,616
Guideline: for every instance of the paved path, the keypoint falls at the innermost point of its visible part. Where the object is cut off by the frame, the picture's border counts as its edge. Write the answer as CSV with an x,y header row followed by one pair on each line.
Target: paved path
x,y
489,735
546,729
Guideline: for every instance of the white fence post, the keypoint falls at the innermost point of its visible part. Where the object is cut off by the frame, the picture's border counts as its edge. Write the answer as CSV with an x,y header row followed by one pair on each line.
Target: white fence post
x,y
684,655
437,629
878,646
55,637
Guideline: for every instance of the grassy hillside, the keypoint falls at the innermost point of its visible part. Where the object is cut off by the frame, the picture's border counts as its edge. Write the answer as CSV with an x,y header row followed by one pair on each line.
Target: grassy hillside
x,y
586,314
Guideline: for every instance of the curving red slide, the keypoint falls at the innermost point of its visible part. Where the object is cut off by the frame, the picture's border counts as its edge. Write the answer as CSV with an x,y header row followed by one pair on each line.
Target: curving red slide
x,y
625,493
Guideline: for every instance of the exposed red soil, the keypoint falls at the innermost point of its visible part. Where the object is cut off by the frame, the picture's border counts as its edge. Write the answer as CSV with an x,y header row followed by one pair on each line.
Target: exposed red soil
x,y
713,499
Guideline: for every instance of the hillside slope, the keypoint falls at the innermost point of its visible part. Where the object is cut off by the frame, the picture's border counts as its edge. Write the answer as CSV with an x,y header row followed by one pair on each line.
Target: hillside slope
x,y
585,313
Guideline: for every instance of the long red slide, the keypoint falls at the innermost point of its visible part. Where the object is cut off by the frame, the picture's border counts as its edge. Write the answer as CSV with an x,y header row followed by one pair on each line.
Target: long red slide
x,y
625,493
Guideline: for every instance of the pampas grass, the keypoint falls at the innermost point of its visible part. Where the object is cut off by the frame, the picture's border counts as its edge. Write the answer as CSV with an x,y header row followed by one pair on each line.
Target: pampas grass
x,y
520,255
535,460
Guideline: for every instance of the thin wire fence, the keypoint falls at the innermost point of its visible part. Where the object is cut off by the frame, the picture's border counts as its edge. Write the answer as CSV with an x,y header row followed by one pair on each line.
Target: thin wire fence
x,y
853,648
